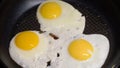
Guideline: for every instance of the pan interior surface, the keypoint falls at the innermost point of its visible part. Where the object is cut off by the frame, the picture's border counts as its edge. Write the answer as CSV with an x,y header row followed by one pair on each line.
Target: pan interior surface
x,y
95,23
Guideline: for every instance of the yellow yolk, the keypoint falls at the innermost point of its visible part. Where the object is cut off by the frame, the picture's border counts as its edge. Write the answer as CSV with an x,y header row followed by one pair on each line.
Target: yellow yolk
x,y
50,10
80,49
26,40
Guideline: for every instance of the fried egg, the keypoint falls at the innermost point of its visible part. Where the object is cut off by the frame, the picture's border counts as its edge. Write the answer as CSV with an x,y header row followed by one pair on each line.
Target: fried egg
x,y
82,51
59,17
29,49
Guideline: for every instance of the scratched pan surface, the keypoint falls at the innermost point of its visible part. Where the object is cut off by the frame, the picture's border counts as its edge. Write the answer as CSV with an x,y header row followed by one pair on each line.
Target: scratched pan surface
x,y
23,17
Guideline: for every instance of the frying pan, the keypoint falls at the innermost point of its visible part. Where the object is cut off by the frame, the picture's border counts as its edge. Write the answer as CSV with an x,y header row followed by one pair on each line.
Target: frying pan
x,y
20,15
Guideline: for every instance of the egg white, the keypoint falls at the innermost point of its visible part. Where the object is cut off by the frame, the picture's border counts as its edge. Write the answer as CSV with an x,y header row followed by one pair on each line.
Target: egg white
x,y
101,49
35,58
70,21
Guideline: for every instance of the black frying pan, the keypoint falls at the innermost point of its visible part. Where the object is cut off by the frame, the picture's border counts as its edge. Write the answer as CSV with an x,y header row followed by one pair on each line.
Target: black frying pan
x,y
20,15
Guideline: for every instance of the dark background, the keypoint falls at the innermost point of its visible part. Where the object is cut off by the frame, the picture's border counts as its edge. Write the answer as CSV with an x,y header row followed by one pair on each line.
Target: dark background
x,y
111,9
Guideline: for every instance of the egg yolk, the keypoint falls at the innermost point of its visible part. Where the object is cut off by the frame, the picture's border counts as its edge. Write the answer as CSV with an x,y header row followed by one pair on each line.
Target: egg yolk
x,y
26,40
50,10
80,49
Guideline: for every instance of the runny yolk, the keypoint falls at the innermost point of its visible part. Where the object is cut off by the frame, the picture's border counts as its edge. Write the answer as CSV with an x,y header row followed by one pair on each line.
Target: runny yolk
x,y
80,49
26,40
50,10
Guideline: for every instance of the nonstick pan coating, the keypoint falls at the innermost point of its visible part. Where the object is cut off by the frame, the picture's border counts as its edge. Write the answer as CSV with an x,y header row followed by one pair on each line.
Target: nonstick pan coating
x,y
23,17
